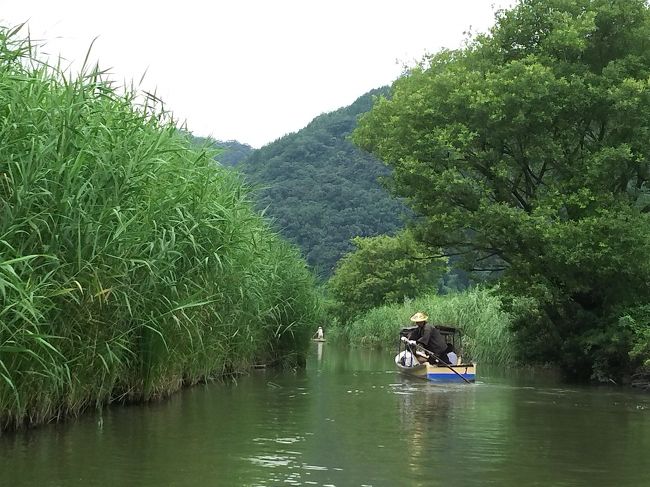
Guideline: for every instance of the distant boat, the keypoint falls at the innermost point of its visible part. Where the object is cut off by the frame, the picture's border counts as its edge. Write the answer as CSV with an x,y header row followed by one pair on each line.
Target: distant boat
x,y
459,372
317,339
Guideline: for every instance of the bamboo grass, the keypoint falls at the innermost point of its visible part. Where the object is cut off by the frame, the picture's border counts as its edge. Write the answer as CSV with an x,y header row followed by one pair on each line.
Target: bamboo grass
x,y
130,263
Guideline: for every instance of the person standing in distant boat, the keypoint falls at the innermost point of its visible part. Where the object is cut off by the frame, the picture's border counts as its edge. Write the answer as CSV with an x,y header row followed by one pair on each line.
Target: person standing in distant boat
x,y
319,333
428,337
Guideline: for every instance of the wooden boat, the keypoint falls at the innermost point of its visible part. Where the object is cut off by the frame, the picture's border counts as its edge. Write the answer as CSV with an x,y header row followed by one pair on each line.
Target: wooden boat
x,y
448,373
436,371
317,339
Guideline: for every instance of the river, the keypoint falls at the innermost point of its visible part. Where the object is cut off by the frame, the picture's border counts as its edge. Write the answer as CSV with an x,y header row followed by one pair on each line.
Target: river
x,y
349,419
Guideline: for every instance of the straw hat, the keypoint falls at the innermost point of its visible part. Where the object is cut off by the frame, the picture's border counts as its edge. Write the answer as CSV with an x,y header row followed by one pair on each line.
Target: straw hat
x,y
417,317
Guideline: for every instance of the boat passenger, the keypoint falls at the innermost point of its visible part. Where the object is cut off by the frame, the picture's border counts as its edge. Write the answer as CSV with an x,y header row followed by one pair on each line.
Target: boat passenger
x,y
428,337
319,333
451,354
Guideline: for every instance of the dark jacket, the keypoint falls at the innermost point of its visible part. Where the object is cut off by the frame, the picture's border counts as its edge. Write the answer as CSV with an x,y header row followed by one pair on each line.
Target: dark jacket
x,y
430,338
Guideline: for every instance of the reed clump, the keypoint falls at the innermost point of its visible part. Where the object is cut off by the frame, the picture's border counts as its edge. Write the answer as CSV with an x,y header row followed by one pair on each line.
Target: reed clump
x,y
130,263
476,312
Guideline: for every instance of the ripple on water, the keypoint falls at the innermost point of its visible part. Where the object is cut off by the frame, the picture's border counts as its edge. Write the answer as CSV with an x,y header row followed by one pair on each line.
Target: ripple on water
x,y
282,440
270,460
289,470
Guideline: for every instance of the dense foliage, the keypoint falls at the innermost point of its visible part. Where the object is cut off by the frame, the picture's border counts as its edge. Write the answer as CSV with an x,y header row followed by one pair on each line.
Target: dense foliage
x,y
527,152
130,263
383,270
321,190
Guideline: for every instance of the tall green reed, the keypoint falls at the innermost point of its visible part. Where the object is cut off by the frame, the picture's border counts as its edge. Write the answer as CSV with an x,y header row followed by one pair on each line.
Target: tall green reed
x,y
130,263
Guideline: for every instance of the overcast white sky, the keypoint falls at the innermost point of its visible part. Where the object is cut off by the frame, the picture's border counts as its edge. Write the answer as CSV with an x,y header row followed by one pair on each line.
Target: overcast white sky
x,y
252,70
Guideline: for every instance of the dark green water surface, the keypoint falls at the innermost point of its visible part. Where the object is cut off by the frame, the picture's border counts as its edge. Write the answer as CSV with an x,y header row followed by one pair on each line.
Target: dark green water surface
x,y
349,420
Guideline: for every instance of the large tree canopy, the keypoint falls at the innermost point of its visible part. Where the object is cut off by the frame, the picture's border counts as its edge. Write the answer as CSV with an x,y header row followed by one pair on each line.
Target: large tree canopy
x,y
527,152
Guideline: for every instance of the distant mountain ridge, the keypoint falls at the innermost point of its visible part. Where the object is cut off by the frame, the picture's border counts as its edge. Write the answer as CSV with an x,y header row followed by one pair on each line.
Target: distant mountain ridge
x,y
232,151
320,189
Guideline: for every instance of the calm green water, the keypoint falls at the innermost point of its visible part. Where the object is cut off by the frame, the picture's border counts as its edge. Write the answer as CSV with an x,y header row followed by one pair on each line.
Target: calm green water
x,y
349,420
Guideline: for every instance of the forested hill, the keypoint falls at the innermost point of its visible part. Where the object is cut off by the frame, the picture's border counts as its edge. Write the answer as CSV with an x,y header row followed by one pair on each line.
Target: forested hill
x,y
321,190
232,152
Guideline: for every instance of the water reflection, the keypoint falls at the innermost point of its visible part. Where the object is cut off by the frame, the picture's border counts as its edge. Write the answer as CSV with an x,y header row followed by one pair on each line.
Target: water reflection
x,y
349,420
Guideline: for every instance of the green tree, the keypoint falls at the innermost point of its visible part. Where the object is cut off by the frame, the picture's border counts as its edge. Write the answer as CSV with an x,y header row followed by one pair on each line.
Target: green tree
x,y
383,270
526,152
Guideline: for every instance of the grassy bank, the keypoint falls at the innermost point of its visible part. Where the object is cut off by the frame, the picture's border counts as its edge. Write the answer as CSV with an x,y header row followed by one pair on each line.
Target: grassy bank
x,y
476,312
130,264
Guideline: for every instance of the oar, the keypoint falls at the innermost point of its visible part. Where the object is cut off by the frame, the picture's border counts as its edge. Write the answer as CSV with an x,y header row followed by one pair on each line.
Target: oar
x,y
429,352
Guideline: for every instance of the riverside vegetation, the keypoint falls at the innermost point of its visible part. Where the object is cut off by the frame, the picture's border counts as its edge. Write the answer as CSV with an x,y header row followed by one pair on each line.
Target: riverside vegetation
x,y
130,263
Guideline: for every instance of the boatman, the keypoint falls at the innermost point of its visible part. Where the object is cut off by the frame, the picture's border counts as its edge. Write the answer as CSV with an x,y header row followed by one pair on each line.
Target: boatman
x,y
428,337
